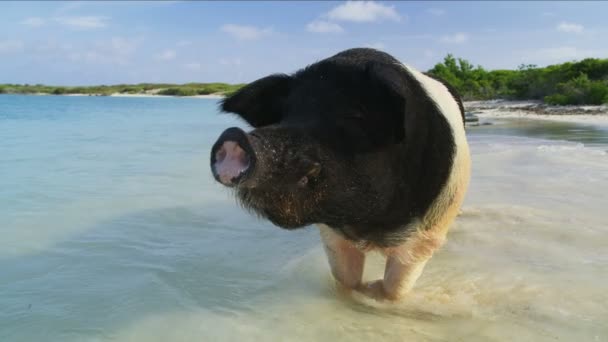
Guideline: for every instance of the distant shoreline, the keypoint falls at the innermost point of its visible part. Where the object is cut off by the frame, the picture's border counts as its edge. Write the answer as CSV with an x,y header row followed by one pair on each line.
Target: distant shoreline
x,y
209,96
195,90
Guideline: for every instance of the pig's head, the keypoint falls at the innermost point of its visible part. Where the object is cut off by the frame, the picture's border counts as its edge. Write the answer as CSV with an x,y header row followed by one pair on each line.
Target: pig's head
x,y
324,148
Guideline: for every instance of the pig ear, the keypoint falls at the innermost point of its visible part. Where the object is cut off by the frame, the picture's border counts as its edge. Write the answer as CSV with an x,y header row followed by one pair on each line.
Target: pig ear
x,y
262,102
388,86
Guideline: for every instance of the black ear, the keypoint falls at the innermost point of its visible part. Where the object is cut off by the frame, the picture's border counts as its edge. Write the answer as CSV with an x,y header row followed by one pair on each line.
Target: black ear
x,y
262,102
388,85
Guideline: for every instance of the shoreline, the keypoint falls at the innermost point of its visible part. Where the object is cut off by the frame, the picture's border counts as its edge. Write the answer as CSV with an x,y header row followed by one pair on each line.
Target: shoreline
x,y
209,96
503,109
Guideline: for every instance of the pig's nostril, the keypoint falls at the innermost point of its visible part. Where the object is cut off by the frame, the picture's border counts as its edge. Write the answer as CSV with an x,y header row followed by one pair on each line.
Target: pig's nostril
x,y
231,163
220,155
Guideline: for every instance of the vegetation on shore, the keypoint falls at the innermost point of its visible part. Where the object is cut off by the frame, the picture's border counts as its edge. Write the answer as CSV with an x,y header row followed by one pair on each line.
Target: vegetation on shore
x,y
583,82
576,83
188,89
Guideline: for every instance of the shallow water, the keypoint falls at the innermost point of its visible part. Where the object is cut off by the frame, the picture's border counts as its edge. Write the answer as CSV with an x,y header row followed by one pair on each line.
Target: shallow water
x,y
590,135
113,229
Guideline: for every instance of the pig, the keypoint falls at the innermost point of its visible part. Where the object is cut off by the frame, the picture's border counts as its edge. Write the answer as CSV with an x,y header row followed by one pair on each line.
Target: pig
x,y
368,149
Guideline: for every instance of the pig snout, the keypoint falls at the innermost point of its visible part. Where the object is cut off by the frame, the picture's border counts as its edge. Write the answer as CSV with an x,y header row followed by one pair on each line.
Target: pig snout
x,y
232,157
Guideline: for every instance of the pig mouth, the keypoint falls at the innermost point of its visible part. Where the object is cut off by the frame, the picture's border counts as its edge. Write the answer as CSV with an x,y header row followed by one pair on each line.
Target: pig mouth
x,y
272,206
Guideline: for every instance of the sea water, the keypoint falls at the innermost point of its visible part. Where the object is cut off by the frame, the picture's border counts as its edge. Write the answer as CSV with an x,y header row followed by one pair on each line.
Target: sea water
x,y
112,228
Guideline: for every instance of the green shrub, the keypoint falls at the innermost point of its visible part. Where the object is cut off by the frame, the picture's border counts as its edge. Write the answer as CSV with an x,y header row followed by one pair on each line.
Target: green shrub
x,y
130,90
174,91
598,93
579,90
556,99
189,89
583,82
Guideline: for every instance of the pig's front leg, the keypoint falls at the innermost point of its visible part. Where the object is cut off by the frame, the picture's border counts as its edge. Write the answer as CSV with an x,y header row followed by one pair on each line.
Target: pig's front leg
x,y
345,260
404,264
399,278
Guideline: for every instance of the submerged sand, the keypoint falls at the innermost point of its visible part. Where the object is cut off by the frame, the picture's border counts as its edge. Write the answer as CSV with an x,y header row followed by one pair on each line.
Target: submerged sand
x,y
116,231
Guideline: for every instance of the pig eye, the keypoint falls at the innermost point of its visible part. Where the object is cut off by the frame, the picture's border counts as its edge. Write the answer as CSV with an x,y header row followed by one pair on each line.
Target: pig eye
x,y
303,181
312,173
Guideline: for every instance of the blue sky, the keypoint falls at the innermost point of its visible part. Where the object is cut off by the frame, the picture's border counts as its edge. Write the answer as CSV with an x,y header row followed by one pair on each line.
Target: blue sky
x,y
84,43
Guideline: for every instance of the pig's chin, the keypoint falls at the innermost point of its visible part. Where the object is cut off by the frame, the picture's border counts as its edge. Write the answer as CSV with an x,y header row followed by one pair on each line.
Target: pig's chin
x,y
289,223
281,218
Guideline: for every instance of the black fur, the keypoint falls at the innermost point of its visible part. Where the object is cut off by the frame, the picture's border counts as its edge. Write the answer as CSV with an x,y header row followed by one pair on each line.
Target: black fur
x,y
259,103
384,148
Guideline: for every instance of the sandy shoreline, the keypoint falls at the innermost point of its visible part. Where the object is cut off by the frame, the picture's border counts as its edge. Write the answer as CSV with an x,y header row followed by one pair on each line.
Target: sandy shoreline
x,y
210,96
595,115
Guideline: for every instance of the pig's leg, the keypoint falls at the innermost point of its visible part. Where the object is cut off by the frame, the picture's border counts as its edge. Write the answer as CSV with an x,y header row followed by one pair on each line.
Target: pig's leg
x,y
404,264
345,260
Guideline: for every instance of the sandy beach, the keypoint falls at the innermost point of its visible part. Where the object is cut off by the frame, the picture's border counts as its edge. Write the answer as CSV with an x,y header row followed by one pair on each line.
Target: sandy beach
x,y
596,115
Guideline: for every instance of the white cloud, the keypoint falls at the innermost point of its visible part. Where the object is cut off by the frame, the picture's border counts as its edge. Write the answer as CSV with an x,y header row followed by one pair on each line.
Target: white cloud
x,y
117,51
457,38
243,32
122,45
363,11
436,11
52,48
83,22
570,27
321,26
166,55
376,45
68,6
183,43
193,66
33,22
231,61
9,46
562,54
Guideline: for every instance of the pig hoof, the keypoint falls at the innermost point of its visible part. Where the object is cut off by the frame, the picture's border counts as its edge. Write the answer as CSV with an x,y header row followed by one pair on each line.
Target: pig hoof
x,y
346,289
342,291
375,290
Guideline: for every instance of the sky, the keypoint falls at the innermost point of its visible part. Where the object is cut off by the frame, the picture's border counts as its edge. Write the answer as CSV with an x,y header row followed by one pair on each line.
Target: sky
x,y
90,43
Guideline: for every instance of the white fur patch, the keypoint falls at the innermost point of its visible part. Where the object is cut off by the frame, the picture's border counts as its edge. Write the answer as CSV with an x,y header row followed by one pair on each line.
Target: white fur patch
x,y
445,102
460,173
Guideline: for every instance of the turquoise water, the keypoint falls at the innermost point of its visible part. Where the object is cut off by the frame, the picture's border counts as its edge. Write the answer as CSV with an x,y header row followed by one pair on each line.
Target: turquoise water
x,y
113,229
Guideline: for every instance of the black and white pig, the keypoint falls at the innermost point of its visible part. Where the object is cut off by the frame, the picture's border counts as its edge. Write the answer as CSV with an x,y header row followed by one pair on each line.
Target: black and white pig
x,y
370,150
